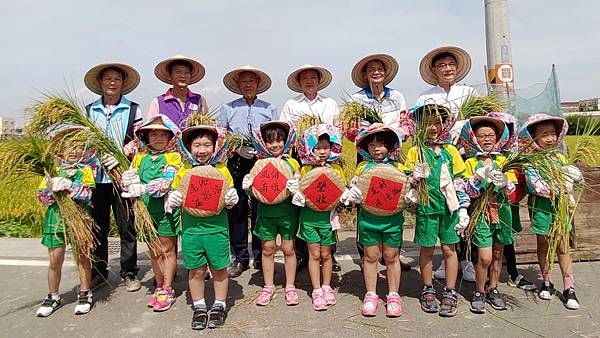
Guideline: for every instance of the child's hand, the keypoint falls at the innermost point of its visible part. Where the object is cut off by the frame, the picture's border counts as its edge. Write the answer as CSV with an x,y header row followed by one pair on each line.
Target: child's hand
x,y
299,199
135,190
421,170
247,152
247,182
293,185
463,222
174,200
231,198
355,195
56,184
498,178
129,177
109,162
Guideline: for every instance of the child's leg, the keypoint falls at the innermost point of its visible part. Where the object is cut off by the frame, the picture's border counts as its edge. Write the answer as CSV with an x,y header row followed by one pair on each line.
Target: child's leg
x,y
542,253
425,264
156,259
221,283
481,269
287,246
496,264
196,283
371,259
392,262
511,261
451,260
169,264
268,261
314,262
565,263
84,266
56,257
327,261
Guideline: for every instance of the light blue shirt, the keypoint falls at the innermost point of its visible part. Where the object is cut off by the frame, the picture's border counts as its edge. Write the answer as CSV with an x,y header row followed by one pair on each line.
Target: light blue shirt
x,y
239,118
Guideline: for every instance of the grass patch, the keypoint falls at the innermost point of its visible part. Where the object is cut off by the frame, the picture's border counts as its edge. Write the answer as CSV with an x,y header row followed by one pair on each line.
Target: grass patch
x,y
572,140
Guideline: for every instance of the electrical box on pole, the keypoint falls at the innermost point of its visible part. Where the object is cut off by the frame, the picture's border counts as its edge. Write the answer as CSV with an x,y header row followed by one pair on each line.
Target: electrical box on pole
x,y
498,46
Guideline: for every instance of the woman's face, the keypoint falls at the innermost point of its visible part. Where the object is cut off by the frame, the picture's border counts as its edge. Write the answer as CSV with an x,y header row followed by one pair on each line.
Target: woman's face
x,y
111,83
158,139
486,138
377,149
323,150
202,149
275,146
374,72
181,75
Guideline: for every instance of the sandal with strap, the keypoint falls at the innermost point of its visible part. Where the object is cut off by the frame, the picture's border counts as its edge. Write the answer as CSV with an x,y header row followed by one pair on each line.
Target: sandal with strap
x,y
428,301
199,319
449,307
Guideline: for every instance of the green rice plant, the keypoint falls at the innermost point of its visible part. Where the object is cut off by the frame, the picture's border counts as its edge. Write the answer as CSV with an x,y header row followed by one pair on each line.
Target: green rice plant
x,y
476,105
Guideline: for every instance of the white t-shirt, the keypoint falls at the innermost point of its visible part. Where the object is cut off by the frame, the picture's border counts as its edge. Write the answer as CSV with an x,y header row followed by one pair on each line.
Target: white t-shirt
x,y
322,106
392,107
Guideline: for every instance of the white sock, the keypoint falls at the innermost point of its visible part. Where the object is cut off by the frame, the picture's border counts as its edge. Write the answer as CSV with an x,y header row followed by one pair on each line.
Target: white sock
x,y
55,295
371,293
220,302
394,294
324,285
201,303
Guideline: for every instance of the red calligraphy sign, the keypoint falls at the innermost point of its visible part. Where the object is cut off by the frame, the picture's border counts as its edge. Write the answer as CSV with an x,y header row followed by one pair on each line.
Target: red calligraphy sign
x,y
203,193
269,182
383,194
322,192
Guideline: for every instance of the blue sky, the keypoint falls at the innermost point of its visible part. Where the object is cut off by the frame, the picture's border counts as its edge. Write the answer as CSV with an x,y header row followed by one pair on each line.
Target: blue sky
x,y
49,45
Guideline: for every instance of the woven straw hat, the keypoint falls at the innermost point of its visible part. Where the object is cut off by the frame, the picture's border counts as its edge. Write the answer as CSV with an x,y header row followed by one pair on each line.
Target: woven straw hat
x,y
130,82
162,69
158,124
389,63
325,78
462,59
496,122
230,79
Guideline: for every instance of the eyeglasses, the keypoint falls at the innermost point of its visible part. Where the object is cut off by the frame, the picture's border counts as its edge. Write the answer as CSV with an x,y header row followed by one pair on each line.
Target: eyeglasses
x,y
450,65
488,137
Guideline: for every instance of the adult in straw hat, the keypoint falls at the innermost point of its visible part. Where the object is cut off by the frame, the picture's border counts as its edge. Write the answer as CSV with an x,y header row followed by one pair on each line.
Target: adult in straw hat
x,y
118,117
308,80
178,102
373,74
241,116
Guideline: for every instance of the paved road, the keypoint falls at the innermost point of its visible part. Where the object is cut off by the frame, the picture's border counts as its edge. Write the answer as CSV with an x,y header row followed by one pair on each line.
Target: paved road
x,y
119,313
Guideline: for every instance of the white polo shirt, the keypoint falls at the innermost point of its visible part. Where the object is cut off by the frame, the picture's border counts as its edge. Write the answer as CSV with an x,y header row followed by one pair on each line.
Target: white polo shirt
x,y
322,106
453,99
392,107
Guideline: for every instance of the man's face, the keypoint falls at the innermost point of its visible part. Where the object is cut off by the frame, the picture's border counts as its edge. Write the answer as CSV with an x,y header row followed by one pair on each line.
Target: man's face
x,y
248,84
202,149
309,81
545,135
374,72
445,70
486,138
158,139
111,83
181,75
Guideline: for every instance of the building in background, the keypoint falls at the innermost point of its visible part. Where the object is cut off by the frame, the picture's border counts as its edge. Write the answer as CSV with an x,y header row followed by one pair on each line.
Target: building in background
x,y
9,129
588,107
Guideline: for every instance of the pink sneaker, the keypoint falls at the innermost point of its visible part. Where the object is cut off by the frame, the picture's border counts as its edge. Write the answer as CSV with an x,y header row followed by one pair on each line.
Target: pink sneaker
x,y
329,295
291,296
318,300
164,300
267,293
393,306
369,305
152,299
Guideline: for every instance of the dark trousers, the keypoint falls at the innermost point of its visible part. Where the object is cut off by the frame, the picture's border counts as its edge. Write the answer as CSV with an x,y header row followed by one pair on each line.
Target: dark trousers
x,y
238,215
511,261
104,198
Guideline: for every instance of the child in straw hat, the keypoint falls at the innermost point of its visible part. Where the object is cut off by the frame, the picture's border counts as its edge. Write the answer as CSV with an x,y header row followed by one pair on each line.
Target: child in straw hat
x,y
378,234
540,133
442,207
76,178
205,240
274,139
150,176
483,139
319,146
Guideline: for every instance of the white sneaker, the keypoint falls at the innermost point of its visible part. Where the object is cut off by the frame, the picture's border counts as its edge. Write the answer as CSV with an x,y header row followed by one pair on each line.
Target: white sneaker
x,y
49,305
85,304
468,271
440,273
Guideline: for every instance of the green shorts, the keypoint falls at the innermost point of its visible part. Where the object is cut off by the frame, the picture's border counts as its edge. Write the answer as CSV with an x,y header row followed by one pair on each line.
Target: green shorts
x,y
323,236
369,237
267,228
54,240
429,228
199,250
167,225
541,213
484,236
516,218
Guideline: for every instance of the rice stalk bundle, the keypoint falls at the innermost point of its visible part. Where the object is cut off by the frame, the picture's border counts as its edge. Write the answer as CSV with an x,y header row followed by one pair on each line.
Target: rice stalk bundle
x,y
585,150
353,112
200,118
306,121
476,105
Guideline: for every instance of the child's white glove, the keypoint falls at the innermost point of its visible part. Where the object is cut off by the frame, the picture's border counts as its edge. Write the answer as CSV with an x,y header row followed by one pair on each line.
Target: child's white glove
x,y
247,152
411,196
129,177
247,182
483,173
134,190
299,199
109,162
231,198
293,185
572,175
355,195
174,200
56,184
421,170
344,199
498,178
463,221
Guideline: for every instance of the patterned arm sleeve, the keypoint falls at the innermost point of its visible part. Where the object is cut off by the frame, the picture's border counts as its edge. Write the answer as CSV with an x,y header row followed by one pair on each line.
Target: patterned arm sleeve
x,y
80,192
508,189
473,186
536,184
45,197
160,186
460,186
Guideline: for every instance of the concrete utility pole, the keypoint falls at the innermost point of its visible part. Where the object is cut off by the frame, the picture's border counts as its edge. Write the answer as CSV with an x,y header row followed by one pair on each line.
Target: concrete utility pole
x,y
498,47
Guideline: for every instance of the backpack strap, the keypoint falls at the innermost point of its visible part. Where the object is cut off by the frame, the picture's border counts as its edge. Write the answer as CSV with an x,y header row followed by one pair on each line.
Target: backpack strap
x,y
129,131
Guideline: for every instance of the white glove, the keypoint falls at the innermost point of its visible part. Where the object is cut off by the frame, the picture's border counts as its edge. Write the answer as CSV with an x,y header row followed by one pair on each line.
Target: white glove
x,y
484,173
247,182
129,177
231,198
174,200
463,221
247,152
499,178
412,196
355,195
293,185
109,162
421,170
57,184
344,199
573,174
299,199
134,190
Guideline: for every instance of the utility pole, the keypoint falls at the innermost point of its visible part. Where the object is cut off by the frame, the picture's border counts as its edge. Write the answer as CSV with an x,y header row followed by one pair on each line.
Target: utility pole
x,y
498,46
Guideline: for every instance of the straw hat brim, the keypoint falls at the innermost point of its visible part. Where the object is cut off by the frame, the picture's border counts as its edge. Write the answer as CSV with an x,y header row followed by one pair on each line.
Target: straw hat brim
x,y
230,79
325,78
389,63
186,133
360,142
443,110
500,125
284,125
559,122
161,71
463,60
130,82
